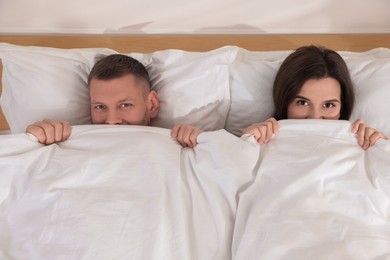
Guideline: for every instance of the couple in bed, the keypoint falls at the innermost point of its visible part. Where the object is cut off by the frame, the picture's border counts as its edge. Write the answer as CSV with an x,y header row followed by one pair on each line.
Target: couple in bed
x,y
312,83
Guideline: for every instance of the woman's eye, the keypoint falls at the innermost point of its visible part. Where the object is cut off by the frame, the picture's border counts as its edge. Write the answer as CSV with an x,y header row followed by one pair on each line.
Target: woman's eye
x,y
329,105
302,102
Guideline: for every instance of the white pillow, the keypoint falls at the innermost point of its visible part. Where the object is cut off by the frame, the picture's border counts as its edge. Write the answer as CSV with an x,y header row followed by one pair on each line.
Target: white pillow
x,y
370,72
193,87
252,75
40,82
251,79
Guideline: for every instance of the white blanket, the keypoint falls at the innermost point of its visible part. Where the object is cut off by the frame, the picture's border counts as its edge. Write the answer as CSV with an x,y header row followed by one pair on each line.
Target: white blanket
x,y
317,195
121,192
127,192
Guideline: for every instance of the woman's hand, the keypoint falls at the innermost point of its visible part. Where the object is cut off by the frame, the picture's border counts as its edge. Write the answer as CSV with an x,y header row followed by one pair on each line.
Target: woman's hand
x,y
186,135
263,131
366,135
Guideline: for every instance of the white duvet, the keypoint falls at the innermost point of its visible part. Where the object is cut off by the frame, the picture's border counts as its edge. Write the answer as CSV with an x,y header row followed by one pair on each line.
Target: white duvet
x,y
121,192
317,195
127,192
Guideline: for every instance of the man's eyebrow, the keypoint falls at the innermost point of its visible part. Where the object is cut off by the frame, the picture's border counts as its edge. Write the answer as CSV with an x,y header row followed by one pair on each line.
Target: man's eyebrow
x,y
125,99
119,101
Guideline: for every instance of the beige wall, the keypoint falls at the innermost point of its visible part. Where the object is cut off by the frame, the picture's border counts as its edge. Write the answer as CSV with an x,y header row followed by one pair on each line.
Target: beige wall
x,y
202,16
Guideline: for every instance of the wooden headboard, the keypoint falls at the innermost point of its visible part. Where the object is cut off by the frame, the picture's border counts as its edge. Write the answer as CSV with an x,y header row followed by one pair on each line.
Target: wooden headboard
x,y
149,43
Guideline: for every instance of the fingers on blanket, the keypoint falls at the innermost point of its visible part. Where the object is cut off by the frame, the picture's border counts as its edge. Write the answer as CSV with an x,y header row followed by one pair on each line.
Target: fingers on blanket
x,y
186,135
49,131
366,136
263,131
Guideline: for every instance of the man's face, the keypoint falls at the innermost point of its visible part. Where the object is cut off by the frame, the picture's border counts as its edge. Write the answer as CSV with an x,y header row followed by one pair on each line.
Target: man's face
x,y
123,101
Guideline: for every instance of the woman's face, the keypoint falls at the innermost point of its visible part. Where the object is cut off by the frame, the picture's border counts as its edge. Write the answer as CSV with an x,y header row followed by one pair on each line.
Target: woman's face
x,y
317,99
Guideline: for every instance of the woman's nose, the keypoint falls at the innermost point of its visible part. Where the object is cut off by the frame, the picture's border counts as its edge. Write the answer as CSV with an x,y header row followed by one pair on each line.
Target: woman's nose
x,y
315,114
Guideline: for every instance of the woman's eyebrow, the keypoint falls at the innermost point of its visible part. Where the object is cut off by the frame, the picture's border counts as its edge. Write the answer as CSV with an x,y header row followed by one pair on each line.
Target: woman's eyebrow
x,y
302,97
333,100
307,99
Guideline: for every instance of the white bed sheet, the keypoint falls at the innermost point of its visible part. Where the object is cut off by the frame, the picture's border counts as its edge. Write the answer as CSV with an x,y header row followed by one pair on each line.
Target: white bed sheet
x,y
121,192
128,192
317,195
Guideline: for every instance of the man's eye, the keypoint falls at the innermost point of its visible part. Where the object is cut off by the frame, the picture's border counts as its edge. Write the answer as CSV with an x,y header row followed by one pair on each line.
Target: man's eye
x,y
125,105
99,107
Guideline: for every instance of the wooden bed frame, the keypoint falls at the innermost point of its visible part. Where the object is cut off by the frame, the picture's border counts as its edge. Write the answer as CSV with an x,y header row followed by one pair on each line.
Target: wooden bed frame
x,y
193,42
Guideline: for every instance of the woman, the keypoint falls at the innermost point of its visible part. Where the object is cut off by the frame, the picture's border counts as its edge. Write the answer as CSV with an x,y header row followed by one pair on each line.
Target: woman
x,y
313,83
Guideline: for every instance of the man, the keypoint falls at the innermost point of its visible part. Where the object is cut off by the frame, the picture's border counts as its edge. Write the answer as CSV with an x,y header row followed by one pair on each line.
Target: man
x,y
120,93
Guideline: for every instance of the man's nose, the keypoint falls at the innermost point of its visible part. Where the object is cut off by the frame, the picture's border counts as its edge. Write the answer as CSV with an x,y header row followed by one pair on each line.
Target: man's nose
x,y
113,118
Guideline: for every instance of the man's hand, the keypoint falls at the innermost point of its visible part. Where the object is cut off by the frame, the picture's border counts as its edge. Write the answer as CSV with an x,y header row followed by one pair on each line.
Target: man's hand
x,y
186,135
49,131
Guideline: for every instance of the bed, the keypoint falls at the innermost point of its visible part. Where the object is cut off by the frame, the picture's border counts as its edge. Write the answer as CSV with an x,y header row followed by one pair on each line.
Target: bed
x,y
132,192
